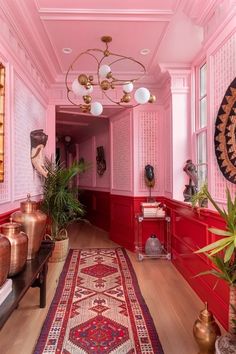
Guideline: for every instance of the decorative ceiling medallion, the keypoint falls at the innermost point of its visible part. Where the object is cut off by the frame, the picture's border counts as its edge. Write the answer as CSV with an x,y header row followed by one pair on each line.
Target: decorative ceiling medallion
x,y
225,134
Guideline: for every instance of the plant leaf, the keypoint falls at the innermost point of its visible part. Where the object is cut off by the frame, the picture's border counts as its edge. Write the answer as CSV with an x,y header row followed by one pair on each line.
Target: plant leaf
x,y
228,253
215,245
220,232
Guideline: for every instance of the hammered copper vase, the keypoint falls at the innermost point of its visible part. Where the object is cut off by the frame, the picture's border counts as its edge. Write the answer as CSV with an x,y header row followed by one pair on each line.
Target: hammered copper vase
x,y
34,223
5,257
206,331
19,246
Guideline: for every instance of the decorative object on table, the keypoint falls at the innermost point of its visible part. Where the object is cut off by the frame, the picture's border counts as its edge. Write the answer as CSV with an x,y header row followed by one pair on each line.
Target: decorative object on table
x,y
79,93
153,246
60,202
38,142
101,162
5,290
19,245
225,142
206,331
113,313
5,258
191,187
222,253
149,180
33,221
152,210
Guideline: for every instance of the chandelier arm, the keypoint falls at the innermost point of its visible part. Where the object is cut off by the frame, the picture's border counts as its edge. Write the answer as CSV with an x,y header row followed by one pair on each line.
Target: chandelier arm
x,y
75,60
123,57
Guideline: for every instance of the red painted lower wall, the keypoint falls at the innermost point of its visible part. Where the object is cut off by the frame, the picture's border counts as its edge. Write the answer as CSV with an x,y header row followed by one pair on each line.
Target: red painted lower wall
x,y
97,207
189,232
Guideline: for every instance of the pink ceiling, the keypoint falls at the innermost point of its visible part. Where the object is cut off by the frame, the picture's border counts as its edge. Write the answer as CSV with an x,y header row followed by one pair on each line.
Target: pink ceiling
x,y
52,25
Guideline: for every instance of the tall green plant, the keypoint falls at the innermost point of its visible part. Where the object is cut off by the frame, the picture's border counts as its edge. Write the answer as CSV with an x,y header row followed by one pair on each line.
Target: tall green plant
x,y
60,200
222,252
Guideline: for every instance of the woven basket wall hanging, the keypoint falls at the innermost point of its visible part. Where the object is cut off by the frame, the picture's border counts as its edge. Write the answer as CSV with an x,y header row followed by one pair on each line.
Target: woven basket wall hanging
x,y
225,134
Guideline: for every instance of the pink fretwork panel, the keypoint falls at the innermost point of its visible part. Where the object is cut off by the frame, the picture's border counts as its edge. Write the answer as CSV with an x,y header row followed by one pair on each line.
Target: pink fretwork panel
x,y
29,114
223,71
148,150
121,132
167,151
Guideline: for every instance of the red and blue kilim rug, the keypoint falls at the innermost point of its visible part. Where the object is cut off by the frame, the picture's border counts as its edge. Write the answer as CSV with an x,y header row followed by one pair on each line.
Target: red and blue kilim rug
x,y
98,308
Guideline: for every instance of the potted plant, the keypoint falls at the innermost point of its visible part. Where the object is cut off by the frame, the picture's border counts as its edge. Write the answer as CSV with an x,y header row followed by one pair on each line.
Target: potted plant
x,y
222,252
60,204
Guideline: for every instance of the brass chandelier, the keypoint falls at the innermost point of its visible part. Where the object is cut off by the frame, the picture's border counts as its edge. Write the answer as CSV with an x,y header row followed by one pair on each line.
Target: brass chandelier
x,y
82,86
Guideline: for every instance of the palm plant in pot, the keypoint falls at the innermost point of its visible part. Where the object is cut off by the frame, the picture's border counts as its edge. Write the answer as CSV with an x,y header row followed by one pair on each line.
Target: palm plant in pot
x,y
222,252
60,204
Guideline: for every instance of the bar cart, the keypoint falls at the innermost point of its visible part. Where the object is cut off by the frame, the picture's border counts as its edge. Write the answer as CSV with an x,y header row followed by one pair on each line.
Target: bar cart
x,y
166,245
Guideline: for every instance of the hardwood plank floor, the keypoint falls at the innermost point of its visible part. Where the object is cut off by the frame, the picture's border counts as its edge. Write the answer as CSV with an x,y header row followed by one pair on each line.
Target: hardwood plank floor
x,y
172,303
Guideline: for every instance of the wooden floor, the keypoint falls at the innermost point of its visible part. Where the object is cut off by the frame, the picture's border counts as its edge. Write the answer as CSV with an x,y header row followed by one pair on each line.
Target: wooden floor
x,y
173,305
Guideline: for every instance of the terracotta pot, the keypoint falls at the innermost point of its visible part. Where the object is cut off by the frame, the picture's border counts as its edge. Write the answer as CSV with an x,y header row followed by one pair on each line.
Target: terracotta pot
x,y
19,245
34,223
5,257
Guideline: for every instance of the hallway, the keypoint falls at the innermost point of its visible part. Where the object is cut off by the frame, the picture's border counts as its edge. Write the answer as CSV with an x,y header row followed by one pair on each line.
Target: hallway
x,y
172,303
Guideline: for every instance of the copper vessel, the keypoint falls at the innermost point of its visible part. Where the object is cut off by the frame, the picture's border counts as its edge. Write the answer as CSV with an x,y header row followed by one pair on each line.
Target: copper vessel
x,y
34,223
19,245
206,331
5,257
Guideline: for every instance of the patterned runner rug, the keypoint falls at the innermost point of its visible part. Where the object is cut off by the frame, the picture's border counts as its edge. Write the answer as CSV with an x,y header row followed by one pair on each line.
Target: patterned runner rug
x,y
98,308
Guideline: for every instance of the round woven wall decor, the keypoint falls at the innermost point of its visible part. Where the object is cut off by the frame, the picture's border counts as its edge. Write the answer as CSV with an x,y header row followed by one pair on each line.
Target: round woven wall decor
x,y
225,134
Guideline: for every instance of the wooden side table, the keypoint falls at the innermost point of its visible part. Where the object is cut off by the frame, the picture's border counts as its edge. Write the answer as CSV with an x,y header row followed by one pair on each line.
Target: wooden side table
x,y
33,275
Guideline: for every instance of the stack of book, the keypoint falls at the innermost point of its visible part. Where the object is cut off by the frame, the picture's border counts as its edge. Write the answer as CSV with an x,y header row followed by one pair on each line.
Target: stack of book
x,y
152,210
5,290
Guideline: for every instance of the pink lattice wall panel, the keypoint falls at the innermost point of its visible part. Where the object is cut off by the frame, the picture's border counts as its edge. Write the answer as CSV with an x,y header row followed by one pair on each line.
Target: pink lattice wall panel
x,y
223,71
148,147
29,114
121,153
86,150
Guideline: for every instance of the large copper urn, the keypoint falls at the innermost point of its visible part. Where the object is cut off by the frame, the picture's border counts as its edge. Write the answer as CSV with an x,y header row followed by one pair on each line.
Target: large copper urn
x,y
19,246
5,257
34,223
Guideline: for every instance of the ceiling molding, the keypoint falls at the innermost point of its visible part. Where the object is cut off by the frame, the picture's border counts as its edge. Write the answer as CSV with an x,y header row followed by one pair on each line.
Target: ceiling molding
x,y
23,24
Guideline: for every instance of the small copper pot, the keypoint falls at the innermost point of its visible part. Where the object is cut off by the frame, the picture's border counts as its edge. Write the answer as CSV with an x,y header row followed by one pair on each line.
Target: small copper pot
x,y
19,246
5,257
33,222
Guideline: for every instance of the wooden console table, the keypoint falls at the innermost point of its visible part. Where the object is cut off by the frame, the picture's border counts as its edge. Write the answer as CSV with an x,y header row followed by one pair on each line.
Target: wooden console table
x,y
33,275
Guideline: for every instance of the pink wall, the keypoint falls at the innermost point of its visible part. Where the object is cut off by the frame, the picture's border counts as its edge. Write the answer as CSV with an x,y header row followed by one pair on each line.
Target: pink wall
x,y
25,103
88,150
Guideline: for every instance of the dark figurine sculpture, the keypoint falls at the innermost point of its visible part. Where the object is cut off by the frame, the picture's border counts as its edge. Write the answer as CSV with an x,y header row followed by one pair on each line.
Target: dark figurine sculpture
x,y
191,188
149,175
149,179
101,162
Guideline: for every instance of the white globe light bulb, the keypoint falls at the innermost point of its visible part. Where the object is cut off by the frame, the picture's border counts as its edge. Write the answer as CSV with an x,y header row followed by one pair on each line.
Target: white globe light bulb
x,y
82,90
142,95
96,108
104,70
127,88
75,86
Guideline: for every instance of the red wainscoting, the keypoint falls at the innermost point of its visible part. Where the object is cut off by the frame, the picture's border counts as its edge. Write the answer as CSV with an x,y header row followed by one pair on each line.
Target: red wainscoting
x,y
189,231
6,216
97,206
124,223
